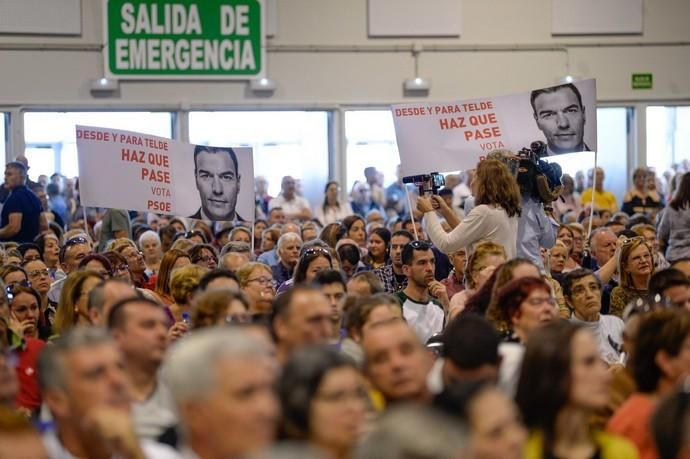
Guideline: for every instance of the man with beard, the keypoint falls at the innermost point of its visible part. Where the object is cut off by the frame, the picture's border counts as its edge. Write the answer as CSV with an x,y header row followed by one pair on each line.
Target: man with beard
x,y
391,275
424,300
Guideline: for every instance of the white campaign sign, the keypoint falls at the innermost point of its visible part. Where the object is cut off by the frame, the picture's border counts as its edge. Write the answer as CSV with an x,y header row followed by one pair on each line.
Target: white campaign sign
x,y
133,171
456,135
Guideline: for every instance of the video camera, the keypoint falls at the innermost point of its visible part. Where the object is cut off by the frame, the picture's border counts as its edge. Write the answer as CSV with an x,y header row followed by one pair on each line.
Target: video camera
x,y
427,183
536,177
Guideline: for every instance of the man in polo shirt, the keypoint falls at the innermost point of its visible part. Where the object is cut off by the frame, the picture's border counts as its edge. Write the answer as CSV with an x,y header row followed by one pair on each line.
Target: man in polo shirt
x,y
21,219
424,300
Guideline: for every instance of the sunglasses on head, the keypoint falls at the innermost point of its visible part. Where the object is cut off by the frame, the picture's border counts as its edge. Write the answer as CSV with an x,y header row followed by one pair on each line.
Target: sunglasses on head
x,y
419,245
189,235
316,251
10,288
76,240
634,239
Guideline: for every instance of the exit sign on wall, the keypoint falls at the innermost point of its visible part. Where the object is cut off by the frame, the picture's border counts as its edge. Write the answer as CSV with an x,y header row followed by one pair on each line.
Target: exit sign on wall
x,y
642,81
162,39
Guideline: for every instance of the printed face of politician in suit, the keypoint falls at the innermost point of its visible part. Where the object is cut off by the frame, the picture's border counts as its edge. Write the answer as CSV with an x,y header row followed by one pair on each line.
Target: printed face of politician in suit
x,y
561,118
218,183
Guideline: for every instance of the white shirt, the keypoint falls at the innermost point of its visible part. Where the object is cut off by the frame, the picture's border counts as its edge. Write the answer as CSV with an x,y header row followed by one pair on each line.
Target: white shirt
x,y
293,206
426,319
332,214
608,331
151,449
460,193
508,372
511,363
154,415
482,223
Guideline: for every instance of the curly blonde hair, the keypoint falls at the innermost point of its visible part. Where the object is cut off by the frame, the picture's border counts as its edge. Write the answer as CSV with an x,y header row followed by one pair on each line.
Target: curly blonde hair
x,y
184,281
482,251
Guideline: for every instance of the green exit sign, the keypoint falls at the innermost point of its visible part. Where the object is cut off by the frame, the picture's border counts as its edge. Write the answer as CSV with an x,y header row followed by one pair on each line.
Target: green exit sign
x,y
642,81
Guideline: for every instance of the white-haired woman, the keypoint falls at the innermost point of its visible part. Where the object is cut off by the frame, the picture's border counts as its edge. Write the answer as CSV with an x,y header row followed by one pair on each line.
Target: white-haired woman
x,y
150,246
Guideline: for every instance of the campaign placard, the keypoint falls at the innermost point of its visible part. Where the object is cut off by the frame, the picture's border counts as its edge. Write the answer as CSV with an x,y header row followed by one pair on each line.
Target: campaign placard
x,y
134,171
456,135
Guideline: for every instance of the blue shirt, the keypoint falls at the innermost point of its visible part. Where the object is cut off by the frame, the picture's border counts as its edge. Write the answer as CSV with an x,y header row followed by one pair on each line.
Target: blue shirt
x,y
58,205
535,230
23,201
270,258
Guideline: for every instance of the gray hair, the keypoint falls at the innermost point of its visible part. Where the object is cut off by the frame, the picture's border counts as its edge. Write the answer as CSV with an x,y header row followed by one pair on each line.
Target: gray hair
x,y
189,370
414,431
286,238
51,367
600,230
148,234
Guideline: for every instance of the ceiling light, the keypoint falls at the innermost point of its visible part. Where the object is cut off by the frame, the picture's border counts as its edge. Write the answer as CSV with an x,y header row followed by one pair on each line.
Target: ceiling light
x,y
417,86
262,86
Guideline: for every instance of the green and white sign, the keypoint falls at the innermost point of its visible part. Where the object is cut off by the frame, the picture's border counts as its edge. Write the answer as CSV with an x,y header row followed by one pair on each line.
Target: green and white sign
x,y
642,80
185,39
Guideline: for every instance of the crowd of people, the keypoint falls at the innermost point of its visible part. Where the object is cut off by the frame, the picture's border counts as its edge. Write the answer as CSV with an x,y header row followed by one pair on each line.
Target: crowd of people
x,y
480,323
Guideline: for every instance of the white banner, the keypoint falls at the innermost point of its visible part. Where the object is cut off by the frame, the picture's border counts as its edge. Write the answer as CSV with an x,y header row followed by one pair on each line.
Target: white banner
x,y
129,170
455,135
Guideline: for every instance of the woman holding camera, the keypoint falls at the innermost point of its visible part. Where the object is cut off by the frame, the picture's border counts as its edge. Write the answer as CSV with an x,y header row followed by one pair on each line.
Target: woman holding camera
x,y
494,218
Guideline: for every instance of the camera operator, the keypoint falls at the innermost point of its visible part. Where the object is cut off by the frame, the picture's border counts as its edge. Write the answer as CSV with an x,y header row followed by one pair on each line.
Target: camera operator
x,y
536,229
495,217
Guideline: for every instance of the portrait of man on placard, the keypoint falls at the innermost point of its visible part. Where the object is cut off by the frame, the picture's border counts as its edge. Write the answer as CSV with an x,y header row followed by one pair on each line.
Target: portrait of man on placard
x,y
560,115
217,179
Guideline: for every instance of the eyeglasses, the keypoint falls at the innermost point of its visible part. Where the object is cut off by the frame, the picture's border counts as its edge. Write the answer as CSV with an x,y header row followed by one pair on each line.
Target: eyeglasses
x,y
121,268
419,245
29,258
539,301
237,319
40,273
261,280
